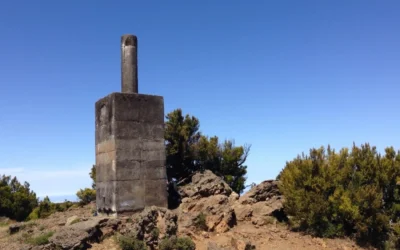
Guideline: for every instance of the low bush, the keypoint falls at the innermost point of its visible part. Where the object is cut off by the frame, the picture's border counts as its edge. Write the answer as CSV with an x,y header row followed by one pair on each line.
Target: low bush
x,y
174,243
354,193
16,200
86,196
46,208
200,222
130,243
40,239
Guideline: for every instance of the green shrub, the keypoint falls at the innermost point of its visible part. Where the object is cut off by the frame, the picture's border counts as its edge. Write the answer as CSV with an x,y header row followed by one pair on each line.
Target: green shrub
x,y
174,243
188,151
34,215
46,208
41,239
200,222
16,200
64,206
130,243
354,193
155,233
86,195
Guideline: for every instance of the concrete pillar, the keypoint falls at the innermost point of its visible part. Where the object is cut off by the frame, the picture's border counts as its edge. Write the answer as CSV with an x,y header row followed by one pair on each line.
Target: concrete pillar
x,y
130,148
129,64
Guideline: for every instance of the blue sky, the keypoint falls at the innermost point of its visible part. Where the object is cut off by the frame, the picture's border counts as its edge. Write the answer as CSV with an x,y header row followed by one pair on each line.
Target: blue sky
x,y
283,76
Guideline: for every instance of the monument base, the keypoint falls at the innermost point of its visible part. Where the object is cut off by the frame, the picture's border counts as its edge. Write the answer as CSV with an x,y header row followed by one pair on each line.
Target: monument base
x,y
130,153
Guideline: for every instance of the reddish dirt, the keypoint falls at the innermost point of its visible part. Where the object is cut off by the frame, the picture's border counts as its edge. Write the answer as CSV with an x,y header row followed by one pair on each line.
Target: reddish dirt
x,y
276,237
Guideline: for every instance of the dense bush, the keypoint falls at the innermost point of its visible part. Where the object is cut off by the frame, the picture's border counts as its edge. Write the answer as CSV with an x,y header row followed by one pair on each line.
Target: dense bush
x,y
189,151
353,193
130,243
46,208
200,222
16,200
86,195
175,243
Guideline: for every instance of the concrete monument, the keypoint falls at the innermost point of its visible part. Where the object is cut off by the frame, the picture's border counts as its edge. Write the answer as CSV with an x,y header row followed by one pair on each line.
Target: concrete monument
x,y
130,151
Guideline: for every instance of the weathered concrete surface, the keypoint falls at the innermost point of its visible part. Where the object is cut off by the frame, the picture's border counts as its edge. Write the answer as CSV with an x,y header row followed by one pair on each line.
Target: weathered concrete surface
x,y
129,67
130,152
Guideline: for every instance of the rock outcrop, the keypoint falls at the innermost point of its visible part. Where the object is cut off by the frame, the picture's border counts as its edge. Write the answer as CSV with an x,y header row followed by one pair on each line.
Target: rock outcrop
x,y
209,207
260,203
152,225
206,203
210,197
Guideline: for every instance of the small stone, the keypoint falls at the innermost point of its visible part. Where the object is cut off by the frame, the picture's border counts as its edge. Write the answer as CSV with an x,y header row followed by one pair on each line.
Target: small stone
x,y
205,235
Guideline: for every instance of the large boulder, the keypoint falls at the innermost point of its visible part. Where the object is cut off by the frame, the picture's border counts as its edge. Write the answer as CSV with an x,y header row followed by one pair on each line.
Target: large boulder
x,y
82,233
207,198
260,203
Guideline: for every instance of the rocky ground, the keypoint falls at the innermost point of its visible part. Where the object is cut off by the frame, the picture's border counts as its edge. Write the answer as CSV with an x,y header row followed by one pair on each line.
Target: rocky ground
x,y
211,214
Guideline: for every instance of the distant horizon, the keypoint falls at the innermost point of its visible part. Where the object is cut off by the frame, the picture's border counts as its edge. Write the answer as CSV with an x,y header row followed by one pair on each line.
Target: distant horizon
x,y
62,196
59,198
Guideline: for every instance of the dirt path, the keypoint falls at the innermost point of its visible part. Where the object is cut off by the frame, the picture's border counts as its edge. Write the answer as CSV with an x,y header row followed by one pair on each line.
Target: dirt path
x,y
271,237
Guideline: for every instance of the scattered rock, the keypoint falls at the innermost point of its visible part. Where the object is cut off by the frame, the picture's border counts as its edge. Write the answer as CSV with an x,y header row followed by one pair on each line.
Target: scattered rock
x,y
214,246
242,245
258,221
319,242
205,235
14,228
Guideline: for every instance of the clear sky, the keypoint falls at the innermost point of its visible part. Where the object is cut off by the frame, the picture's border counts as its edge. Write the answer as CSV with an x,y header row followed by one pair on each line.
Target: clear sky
x,y
283,76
